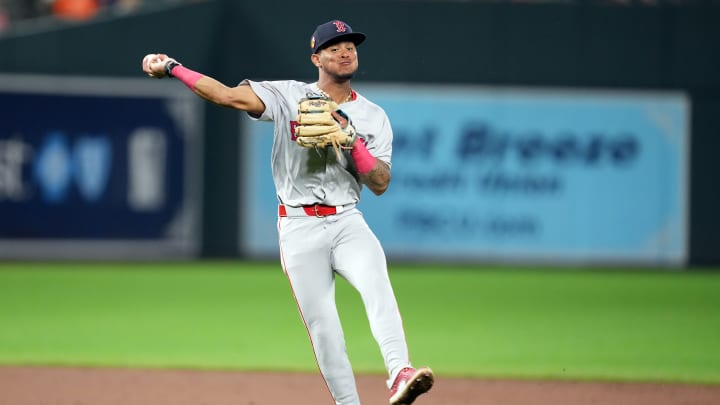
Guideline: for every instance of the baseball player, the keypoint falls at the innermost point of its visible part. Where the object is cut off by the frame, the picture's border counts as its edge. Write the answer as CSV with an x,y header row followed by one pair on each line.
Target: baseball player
x,y
329,141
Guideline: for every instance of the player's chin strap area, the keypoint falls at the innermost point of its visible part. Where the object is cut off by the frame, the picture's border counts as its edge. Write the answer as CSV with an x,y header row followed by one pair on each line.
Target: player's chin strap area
x,y
317,210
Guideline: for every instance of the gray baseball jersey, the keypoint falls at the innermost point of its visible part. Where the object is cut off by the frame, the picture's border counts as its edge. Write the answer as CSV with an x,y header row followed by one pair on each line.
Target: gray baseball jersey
x,y
314,249
306,176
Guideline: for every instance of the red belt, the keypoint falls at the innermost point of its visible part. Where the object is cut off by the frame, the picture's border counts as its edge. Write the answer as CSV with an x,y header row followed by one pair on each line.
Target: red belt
x,y
316,210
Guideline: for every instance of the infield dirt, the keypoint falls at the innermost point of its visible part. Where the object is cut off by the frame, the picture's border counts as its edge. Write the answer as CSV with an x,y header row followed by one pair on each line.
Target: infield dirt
x,y
106,386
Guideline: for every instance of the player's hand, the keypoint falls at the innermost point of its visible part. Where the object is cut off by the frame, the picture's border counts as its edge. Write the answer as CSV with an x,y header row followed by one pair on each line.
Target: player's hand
x,y
153,64
342,120
345,125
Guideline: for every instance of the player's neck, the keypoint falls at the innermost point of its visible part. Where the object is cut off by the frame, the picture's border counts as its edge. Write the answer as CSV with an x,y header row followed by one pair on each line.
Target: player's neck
x,y
339,92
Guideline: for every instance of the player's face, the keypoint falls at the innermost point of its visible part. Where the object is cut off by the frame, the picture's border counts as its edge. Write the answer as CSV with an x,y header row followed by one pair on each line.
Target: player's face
x,y
339,60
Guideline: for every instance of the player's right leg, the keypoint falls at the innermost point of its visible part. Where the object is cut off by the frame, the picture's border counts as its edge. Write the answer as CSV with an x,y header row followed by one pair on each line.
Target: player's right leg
x,y
306,262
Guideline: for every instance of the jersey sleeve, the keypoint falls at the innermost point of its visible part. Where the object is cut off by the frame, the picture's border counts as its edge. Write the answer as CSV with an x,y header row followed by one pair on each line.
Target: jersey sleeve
x,y
381,145
373,126
272,95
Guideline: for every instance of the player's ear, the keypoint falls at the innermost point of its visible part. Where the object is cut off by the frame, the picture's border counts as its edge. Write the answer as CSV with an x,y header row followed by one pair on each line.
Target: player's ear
x,y
315,59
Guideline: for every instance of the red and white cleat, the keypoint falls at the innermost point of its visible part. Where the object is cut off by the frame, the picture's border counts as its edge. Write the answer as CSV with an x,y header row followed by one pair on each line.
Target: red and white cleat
x,y
409,384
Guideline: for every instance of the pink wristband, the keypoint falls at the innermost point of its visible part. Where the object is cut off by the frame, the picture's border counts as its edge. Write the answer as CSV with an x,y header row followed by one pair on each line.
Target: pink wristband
x,y
364,161
187,76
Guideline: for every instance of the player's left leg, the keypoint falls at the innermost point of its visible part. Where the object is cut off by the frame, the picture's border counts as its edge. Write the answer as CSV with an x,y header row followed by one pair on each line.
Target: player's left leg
x,y
359,258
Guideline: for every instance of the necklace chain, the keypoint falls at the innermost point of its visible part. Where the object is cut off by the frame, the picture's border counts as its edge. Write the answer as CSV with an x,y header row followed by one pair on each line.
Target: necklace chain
x,y
348,98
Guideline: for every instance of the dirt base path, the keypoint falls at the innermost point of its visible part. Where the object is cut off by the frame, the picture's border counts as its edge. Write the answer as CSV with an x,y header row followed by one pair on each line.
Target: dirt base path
x,y
93,386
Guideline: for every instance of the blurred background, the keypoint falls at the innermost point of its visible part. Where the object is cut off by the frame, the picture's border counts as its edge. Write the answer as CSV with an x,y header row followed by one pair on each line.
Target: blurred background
x,y
138,222
533,132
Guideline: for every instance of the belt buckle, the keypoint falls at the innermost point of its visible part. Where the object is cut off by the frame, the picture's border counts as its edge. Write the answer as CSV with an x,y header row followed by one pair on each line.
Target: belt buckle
x,y
315,208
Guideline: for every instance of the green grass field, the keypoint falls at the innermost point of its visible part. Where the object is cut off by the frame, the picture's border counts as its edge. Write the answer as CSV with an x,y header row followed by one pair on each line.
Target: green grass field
x,y
634,325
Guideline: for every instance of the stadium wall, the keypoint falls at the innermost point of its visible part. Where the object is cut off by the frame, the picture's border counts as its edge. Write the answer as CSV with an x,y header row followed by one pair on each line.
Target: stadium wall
x,y
570,45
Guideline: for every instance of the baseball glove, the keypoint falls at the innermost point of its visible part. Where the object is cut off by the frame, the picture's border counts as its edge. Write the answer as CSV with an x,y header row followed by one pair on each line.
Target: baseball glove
x,y
318,128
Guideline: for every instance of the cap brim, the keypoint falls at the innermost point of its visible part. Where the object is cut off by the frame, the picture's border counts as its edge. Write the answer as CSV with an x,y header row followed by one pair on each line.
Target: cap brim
x,y
356,38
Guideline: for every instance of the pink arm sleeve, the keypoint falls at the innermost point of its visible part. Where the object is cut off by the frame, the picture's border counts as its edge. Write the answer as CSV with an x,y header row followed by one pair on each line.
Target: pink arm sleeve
x,y
364,161
187,76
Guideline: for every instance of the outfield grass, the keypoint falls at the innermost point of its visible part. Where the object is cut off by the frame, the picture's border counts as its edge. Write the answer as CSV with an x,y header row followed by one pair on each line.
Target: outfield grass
x,y
521,323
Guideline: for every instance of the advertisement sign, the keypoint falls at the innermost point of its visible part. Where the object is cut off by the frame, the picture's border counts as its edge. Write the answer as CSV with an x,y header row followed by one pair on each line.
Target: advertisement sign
x,y
519,175
97,168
